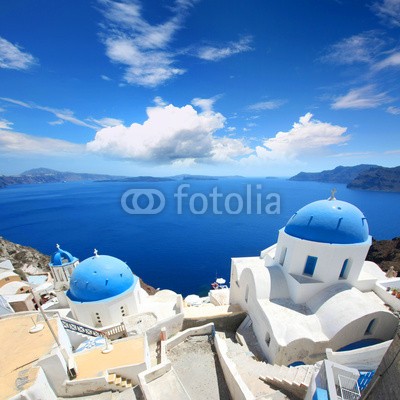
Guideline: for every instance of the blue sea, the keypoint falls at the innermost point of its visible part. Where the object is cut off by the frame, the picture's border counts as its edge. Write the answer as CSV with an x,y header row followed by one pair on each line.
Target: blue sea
x,y
179,251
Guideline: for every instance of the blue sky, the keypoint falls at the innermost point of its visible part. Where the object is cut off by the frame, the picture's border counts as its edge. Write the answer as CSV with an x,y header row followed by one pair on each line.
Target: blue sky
x,y
206,87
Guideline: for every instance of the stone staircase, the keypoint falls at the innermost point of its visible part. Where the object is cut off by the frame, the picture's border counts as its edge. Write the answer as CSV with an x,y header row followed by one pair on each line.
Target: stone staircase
x,y
250,371
291,379
117,382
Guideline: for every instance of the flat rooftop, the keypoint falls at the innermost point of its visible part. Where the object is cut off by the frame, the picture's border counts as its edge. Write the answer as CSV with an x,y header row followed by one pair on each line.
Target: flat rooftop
x,y
93,363
20,350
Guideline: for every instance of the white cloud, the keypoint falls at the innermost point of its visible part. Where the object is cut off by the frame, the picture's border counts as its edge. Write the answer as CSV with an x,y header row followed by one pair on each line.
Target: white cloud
x,y
56,122
62,114
306,136
15,142
361,98
391,61
159,101
168,134
4,124
393,110
216,53
266,105
206,105
226,149
361,48
106,121
231,128
105,78
178,135
388,11
13,57
143,48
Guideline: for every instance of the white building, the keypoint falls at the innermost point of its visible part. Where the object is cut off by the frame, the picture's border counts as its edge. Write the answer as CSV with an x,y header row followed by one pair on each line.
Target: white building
x,y
62,265
103,290
313,289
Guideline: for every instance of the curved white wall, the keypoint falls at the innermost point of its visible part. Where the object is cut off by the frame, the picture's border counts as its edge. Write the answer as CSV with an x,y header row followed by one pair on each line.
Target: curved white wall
x,y
328,267
107,312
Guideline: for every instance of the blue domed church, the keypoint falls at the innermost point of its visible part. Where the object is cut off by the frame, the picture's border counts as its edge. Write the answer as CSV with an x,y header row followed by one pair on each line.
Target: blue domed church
x,y
313,289
102,291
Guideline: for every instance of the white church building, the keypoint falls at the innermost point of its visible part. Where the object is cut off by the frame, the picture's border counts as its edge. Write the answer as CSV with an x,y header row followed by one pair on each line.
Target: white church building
x,y
313,289
103,290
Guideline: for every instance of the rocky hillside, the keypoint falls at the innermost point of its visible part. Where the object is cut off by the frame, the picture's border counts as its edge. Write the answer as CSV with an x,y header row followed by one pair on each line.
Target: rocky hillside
x,y
378,179
385,253
46,175
338,175
23,258
31,261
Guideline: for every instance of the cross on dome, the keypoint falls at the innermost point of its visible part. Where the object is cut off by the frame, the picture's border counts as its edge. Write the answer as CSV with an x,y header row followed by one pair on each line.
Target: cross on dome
x,y
333,192
58,246
95,253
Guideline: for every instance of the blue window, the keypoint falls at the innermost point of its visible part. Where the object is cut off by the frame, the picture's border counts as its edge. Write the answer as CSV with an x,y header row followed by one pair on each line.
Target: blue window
x,y
345,269
310,265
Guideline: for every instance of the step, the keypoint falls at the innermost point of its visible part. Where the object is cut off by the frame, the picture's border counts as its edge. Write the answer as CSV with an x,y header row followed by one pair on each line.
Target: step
x,y
111,378
300,376
118,380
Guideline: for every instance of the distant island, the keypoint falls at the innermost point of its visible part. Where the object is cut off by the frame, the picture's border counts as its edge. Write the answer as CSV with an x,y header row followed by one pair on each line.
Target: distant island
x,y
47,175
363,177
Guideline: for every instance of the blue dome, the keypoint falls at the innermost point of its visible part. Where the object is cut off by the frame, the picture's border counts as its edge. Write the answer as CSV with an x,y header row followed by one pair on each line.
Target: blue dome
x,y
61,257
329,221
99,278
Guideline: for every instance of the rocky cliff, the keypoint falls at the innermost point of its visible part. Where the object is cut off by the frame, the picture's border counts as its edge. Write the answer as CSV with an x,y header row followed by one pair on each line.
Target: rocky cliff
x,y
377,179
385,253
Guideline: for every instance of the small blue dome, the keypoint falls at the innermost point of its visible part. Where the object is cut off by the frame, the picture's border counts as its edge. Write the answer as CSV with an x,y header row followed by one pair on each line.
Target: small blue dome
x,y
99,278
329,221
61,257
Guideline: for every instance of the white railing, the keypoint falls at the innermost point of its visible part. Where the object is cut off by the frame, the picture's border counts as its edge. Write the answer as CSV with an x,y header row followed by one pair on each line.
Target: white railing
x,y
349,389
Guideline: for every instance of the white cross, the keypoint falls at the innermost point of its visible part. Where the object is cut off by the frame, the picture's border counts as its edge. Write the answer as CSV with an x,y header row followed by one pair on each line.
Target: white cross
x,y
95,252
58,246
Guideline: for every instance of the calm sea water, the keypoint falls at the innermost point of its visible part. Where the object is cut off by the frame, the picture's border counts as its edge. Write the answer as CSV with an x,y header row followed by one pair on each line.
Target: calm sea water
x,y
179,252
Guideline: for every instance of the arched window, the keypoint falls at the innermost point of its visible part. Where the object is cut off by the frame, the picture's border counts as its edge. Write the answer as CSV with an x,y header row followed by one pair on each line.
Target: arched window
x,y
344,272
370,327
310,265
267,338
246,297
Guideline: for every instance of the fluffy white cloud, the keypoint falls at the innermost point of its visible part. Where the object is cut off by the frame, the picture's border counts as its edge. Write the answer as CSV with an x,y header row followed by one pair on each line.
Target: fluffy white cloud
x,y
227,149
361,48
216,53
388,11
205,105
20,143
4,124
266,105
306,136
13,57
361,98
169,134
